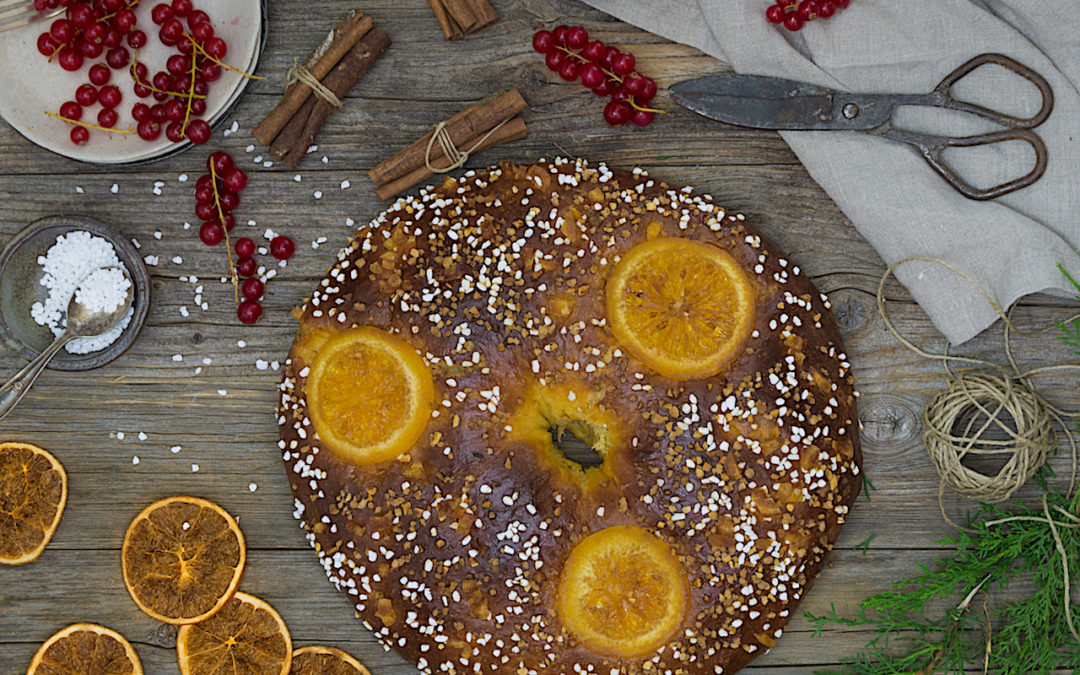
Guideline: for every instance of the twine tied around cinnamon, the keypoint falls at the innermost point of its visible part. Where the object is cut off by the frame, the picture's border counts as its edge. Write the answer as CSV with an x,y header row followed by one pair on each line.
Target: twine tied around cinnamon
x,y
298,73
457,157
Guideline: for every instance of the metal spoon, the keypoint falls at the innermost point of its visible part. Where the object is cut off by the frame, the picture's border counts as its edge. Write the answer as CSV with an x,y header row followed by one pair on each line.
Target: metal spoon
x,y
81,323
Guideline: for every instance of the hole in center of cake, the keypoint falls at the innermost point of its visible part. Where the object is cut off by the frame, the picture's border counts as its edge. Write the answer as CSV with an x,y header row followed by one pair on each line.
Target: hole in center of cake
x,y
575,441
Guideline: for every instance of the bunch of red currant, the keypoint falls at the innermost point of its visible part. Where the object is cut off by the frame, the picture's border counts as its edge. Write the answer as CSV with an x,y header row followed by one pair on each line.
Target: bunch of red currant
x,y
605,70
217,194
795,13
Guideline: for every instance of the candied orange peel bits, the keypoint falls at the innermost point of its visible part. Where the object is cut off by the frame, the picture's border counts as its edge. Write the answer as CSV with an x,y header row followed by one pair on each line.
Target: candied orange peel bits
x,y
623,592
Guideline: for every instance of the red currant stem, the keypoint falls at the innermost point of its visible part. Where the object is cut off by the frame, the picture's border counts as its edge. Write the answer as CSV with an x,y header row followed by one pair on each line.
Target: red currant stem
x,y
130,5
107,130
187,112
635,106
228,244
226,66
177,94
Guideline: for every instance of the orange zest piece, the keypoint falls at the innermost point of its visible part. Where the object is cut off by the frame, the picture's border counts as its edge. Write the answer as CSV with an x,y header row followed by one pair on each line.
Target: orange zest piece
x,y
86,648
623,592
182,559
33,492
247,637
683,307
370,395
318,660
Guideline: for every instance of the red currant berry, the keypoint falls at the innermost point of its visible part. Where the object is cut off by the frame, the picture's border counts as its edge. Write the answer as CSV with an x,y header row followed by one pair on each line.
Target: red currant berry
x,y
86,94
215,47
244,247
96,32
110,96
140,112
247,267
81,14
206,211
71,110
136,39
202,32
46,44
792,22
211,233
175,110
172,31
577,37
592,75
543,41
605,88
125,21
80,135
149,130
107,117
199,132
204,181
229,200
69,59
249,312
648,91
594,51
555,60
89,50
826,8
807,10
623,64
253,289
609,57
634,85
210,72
220,161
99,74
181,7
198,107
204,194
617,113
62,31
282,248
641,118
569,70
560,35
157,113
175,132
230,222
161,13
234,179
196,17
775,14
178,64
620,95
200,87
118,57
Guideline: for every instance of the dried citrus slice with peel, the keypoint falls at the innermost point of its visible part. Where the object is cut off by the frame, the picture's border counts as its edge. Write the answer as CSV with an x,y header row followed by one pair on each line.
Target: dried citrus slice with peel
x,y
623,592
33,492
247,637
182,559
86,649
319,660
369,394
683,307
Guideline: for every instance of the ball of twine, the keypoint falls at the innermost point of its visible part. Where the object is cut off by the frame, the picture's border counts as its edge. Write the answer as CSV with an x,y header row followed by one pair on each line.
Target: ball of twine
x,y
953,431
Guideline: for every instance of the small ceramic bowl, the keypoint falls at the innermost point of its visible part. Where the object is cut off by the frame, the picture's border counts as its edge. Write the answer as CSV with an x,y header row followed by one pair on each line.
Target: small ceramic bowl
x,y
20,288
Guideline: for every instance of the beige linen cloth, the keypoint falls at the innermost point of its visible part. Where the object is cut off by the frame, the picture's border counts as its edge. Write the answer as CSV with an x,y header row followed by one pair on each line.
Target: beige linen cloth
x,y
1012,245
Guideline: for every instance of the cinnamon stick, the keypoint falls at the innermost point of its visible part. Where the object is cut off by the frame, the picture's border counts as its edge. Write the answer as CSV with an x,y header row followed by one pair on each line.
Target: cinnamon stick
x,y
291,144
448,28
343,38
472,122
460,17
513,130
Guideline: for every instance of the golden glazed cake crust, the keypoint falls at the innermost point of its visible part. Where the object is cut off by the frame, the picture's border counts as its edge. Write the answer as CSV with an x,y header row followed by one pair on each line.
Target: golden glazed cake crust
x,y
452,553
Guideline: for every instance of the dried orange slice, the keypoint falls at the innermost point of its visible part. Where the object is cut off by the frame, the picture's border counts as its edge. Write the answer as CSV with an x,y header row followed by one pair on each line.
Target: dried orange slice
x,y
86,649
370,395
318,660
683,307
182,559
622,592
246,637
33,492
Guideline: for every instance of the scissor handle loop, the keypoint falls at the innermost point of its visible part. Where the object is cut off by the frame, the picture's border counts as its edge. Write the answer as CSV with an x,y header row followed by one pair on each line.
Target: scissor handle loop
x,y
933,149
944,92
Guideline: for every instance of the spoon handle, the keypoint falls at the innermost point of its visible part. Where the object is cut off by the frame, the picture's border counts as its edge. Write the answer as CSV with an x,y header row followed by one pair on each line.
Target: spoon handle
x,y
15,388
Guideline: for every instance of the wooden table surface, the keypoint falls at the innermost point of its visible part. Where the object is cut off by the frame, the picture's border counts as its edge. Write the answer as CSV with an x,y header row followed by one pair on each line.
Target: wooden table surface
x,y
222,418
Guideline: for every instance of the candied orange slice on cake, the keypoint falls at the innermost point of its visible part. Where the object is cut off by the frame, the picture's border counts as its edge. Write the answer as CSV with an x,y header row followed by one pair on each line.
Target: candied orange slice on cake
x,y
370,395
247,637
33,492
623,592
182,559
319,660
683,307
86,649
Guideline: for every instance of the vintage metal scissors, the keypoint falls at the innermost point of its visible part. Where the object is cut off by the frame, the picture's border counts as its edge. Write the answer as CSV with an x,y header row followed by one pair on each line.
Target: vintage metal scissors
x,y
773,103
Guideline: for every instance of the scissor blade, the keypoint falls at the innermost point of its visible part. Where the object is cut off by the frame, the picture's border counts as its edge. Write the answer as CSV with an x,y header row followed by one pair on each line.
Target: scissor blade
x,y
763,103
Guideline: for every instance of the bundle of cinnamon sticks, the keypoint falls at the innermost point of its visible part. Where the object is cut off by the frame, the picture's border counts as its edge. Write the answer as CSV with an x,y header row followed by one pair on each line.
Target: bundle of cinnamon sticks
x,y
479,127
346,54
458,18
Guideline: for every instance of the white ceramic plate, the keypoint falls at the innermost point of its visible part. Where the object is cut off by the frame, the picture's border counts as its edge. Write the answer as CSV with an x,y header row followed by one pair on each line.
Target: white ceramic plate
x,y
30,85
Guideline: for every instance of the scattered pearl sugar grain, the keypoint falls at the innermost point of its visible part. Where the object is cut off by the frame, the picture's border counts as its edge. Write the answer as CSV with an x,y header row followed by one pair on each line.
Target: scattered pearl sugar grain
x,y
65,265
